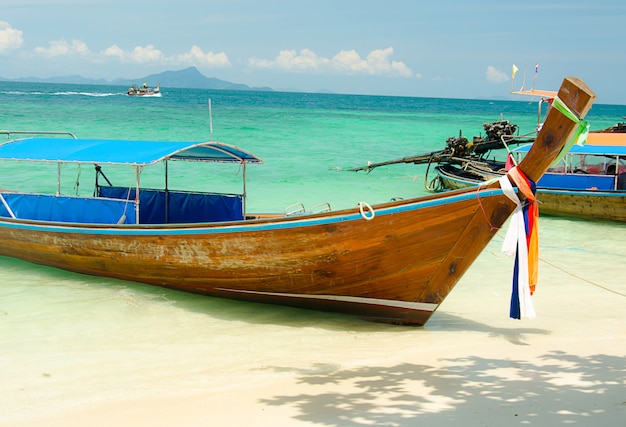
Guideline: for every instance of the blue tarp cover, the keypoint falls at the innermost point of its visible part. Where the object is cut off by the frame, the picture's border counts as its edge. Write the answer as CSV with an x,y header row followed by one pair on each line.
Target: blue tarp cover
x,y
123,152
184,207
117,206
44,207
573,181
598,150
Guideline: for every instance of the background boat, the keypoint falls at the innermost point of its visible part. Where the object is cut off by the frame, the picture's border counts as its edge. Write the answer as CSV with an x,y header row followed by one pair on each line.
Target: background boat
x,y
144,90
590,182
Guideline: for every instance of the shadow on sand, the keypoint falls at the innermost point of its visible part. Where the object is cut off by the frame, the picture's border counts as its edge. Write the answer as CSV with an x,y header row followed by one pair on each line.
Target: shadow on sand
x,y
562,390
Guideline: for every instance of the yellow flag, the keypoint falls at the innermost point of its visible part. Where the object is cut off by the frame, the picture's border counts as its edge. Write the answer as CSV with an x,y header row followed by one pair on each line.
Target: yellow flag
x,y
514,71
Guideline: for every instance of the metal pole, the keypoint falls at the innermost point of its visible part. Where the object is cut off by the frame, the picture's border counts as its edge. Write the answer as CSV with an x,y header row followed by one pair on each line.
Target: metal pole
x,y
137,173
244,190
59,179
210,121
167,194
6,206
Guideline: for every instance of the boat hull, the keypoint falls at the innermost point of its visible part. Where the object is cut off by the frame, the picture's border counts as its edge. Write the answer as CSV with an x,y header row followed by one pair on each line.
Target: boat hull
x,y
583,204
452,177
397,267
595,205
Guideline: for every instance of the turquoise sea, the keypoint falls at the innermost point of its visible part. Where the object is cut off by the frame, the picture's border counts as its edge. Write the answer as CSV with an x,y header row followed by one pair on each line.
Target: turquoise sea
x,y
69,341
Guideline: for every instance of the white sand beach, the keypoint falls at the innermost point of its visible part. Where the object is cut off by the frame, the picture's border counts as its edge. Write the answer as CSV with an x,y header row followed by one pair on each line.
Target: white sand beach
x,y
81,351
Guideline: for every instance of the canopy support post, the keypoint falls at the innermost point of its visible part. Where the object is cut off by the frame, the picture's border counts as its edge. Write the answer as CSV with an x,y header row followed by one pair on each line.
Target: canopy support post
x,y
210,121
244,191
59,179
6,206
137,173
167,193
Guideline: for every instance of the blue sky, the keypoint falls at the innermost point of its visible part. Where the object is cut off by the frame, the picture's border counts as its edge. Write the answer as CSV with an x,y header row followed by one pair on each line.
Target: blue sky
x,y
442,48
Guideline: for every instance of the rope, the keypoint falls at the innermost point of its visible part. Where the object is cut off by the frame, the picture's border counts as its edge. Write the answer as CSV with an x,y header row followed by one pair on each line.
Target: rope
x,y
369,208
583,279
122,219
508,150
428,186
241,163
480,203
569,273
484,184
436,185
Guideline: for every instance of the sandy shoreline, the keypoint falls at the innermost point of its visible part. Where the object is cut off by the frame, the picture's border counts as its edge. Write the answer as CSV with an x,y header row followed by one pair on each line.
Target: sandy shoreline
x,y
533,387
469,365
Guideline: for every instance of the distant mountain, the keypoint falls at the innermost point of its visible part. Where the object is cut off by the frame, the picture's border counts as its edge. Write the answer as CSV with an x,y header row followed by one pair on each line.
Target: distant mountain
x,y
189,78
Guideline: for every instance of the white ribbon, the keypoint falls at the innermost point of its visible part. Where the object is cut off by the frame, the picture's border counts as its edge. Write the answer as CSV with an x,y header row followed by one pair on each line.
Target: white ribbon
x,y
516,239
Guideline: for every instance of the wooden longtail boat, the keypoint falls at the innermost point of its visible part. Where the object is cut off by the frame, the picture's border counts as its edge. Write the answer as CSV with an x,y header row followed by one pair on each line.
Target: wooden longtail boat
x,y
394,262
589,183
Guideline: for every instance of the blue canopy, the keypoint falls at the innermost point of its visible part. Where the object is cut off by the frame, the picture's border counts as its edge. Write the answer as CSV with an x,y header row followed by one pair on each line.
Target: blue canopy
x,y
598,150
120,152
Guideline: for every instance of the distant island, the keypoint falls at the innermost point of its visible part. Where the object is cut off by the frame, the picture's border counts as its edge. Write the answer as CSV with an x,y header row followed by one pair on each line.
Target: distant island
x,y
189,78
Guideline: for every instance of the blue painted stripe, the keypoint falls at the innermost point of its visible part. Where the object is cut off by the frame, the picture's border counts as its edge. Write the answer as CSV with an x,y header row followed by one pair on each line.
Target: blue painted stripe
x,y
616,193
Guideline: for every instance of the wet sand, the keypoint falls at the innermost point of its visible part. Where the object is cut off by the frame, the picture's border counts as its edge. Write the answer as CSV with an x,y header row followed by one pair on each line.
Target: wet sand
x,y
82,351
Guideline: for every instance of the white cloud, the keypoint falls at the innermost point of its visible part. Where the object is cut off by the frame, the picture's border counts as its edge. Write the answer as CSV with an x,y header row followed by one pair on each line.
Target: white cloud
x,y
114,51
377,62
139,54
349,60
306,60
146,54
10,38
149,53
291,61
197,56
260,63
496,76
62,48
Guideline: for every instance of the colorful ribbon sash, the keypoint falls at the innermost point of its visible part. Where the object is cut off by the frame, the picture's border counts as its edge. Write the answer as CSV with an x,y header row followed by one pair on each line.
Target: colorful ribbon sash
x,y
522,241
522,237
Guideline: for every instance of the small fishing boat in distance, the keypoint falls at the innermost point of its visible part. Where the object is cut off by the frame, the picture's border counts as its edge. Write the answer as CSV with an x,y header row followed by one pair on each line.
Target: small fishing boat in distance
x,y
392,262
144,90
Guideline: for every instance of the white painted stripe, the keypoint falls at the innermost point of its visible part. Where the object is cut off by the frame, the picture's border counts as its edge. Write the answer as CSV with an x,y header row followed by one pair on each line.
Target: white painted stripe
x,y
422,306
